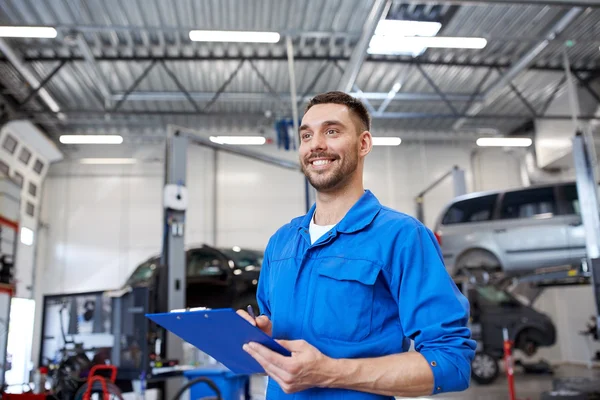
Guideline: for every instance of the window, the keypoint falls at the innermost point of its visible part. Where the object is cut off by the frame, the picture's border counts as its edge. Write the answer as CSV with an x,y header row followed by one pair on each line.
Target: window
x,y
10,144
472,210
4,168
18,178
25,155
495,295
143,272
204,264
32,189
30,209
529,203
38,167
571,200
244,258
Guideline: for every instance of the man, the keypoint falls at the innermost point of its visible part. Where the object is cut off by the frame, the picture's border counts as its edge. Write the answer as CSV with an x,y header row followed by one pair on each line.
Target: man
x,y
347,286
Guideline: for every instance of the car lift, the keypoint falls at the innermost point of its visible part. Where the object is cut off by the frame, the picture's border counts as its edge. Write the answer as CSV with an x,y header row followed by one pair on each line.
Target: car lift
x,y
171,290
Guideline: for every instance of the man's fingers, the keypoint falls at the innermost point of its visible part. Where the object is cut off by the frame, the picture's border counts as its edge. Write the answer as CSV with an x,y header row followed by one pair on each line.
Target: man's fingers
x,y
263,321
246,316
281,375
256,350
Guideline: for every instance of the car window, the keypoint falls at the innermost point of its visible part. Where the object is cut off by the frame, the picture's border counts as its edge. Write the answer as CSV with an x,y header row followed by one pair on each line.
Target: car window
x,y
244,258
143,272
571,199
494,295
204,263
529,203
471,210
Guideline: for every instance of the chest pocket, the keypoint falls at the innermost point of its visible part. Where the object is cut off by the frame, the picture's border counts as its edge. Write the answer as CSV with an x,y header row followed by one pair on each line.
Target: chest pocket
x,y
343,299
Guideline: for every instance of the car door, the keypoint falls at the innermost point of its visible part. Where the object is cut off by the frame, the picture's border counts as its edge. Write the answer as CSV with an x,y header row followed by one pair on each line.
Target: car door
x,y
575,229
208,280
530,232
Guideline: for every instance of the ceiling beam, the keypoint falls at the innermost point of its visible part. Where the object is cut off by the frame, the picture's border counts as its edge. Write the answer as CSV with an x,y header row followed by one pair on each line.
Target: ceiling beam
x,y
264,97
556,3
495,89
28,75
359,53
301,58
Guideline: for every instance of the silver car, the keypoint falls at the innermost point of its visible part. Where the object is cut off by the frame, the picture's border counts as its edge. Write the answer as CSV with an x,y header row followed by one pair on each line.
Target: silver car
x,y
513,231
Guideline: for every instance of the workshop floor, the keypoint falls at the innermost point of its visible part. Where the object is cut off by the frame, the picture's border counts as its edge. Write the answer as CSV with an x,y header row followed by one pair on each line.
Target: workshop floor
x,y
527,386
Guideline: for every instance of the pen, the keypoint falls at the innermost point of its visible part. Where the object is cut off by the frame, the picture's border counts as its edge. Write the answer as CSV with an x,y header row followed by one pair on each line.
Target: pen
x,y
251,311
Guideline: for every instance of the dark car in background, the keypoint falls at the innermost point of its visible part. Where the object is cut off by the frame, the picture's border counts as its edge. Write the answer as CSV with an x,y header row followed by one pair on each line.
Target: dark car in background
x,y
492,310
215,277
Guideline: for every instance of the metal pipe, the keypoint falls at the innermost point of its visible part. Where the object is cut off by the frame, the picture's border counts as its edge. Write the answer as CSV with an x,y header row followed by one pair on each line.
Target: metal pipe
x,y
292,73
16,61
99,81
380,7
240,151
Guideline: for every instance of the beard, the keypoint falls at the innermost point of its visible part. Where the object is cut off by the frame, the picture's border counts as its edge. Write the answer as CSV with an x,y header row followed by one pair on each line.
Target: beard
x,y
334,176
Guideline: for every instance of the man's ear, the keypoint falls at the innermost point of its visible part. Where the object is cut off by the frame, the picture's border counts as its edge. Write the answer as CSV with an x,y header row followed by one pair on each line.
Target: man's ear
x,y
366,143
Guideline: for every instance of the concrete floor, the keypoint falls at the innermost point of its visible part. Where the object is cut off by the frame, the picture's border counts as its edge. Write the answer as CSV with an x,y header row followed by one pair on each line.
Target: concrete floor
x,y
528,386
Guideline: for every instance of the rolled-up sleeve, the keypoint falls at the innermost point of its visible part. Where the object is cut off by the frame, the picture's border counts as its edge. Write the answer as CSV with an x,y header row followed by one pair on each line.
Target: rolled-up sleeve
x,y
433,312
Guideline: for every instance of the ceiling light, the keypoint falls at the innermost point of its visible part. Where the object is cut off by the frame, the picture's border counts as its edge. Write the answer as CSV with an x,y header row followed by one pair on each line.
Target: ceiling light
x,y
91,139
108,161
43,32
386,141
395,88
240,140
395,37
504,142
234,36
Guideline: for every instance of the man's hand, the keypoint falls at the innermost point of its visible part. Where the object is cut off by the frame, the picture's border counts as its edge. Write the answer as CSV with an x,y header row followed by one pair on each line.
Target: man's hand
x,y
263,322
306,368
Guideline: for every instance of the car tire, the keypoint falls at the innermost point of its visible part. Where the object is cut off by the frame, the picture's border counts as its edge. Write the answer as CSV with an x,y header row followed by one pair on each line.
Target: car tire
x,y
563,394
484,368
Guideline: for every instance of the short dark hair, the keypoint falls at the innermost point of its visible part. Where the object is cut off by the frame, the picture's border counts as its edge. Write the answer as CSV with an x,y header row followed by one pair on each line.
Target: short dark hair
x,y
355,105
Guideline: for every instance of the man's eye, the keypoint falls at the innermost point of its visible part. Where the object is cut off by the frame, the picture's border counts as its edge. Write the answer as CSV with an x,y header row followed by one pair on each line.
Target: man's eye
x,y
305,135
331,132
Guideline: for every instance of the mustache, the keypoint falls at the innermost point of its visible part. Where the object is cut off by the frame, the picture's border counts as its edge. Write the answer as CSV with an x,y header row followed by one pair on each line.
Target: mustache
x,y
320,155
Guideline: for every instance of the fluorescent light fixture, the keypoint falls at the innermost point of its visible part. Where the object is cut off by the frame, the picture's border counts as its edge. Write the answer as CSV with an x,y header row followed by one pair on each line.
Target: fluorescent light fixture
x,y
395,88
26,236
239,140
386,141
393,37
91,139
504,142
108,161
43,32
234,36
236,249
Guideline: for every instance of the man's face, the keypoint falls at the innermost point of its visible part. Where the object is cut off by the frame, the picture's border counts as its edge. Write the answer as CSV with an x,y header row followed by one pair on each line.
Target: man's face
x,y
330,146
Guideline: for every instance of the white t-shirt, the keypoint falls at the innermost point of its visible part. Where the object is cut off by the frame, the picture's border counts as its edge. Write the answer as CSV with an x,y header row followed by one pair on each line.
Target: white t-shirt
x,y
316,231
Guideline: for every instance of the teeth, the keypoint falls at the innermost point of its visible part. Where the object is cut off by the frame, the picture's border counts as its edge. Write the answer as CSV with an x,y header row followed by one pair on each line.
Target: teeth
x,y
321,162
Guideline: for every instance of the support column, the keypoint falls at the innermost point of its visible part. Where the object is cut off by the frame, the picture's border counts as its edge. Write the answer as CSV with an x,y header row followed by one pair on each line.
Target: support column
x,y
173,252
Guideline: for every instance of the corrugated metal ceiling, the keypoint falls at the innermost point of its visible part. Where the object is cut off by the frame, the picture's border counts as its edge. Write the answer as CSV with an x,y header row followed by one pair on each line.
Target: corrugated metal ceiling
x,y
321,29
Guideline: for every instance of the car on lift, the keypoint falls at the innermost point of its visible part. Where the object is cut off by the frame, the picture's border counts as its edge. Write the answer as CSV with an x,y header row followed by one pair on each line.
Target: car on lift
x,y
215,277
515,232
492,310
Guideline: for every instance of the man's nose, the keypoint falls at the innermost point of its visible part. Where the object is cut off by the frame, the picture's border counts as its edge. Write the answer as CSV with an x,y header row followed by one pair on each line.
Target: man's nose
x,y
318,142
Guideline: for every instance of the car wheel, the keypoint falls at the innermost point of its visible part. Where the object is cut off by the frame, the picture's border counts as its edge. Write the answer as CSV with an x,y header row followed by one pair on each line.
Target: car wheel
x,y
526,341
484,368
563,394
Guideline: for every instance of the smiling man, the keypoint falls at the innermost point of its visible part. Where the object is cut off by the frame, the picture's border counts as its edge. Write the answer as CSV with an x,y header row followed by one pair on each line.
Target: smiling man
x,y
348,286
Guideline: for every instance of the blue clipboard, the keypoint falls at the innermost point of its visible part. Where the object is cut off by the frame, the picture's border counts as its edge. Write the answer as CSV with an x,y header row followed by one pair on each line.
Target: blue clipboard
x,y
220,333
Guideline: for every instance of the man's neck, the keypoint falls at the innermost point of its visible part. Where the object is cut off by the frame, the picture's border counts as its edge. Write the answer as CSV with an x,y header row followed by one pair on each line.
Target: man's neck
x,y
333,206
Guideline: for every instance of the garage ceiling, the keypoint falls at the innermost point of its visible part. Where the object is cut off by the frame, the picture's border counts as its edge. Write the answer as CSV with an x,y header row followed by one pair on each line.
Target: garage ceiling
x,y
129,67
